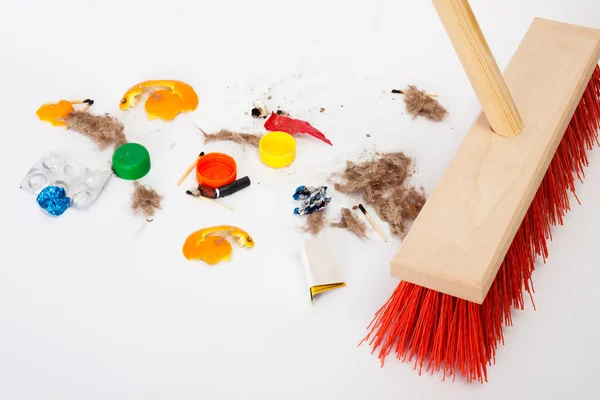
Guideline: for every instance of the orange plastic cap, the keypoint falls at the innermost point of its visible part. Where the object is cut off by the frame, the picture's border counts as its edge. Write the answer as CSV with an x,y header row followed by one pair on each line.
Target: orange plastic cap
x,y
216,169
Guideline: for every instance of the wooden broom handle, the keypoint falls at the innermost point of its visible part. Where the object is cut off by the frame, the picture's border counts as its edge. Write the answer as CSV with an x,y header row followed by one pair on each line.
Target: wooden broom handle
x,y
480,66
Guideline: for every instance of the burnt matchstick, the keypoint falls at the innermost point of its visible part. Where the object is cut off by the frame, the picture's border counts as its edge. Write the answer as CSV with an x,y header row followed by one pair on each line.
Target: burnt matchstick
x,y
88,103
373,224
396,91
206,199
190,168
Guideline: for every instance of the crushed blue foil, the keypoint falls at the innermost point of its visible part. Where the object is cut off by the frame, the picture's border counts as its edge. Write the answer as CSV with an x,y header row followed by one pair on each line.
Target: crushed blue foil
x,y
54,200
314,199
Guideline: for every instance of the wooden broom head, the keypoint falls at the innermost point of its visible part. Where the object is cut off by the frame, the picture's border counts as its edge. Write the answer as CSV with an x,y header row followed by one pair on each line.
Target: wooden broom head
x,y
461,236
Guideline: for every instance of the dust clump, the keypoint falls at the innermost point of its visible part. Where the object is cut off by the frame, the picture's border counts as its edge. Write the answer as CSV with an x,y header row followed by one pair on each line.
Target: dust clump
x,y
383,184
315,222
244,139
420,103
104,130
350,222
145,200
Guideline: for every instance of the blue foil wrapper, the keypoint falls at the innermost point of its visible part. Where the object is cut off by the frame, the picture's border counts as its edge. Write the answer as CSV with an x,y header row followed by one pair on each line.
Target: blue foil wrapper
x,y
314,199
54,200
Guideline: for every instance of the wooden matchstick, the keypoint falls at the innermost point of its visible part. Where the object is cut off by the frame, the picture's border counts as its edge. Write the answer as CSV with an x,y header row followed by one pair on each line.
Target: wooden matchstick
x,y
373,224
89,102
211,201
190,168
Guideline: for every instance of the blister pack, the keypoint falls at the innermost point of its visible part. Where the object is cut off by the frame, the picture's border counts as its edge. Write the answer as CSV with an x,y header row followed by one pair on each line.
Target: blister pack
x,y
82,184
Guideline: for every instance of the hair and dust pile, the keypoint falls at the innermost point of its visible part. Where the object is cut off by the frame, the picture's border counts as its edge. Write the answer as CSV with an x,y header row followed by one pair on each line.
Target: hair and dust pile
x,y
244,139
349,221
315,222
383,184
104,130
145,200
420,103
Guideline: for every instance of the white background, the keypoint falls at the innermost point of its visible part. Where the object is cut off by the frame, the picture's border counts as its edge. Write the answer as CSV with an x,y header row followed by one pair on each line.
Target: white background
x,y
93,308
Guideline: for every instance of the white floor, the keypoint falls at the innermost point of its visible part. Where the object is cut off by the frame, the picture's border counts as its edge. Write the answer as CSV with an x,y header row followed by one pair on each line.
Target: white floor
x,y
92,308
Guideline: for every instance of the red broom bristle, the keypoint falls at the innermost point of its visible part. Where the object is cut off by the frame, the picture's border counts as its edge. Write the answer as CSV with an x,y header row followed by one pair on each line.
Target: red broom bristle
x,y
460,337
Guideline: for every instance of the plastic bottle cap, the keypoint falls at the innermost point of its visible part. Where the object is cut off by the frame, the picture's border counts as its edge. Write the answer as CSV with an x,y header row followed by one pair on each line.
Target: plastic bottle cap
x,y
277,149
216,169
131,161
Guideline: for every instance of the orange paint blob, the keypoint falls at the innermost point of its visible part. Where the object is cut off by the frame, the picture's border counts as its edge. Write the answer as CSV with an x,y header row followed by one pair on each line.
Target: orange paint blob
x,y
209,245
55,113
168,98
163,104
210,249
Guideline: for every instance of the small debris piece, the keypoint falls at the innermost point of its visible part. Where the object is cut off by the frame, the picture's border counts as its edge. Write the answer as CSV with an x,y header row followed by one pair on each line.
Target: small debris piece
x,y
314,199
322,109
270,97
145,200
283,112
420,103
350,222
396,91
244,139
383,184
259,110
315,222
368,135
104,130
293,127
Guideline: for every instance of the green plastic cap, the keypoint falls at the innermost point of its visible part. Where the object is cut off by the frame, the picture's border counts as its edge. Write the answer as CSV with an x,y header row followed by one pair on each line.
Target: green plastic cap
x,y
131,161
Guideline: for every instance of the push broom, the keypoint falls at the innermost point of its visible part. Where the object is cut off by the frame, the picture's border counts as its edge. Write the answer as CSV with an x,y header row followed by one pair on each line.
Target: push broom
x,y
469,256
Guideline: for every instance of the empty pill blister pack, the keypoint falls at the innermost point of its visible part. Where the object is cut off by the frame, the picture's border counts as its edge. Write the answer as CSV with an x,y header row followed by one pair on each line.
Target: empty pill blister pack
x,y
82,184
